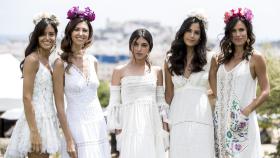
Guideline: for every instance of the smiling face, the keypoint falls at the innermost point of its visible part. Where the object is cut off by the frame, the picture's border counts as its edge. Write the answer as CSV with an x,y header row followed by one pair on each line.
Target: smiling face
x,y
47,39
239,34
80,34
140,48
192,35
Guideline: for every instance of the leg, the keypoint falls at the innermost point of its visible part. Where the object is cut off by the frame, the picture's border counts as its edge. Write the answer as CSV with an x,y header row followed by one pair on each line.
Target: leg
x,y
38,155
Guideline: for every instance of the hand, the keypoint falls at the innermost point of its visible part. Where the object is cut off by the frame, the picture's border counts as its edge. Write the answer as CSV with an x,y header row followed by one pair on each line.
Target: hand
x,y
36,143
246,111
118,131
165,126
71,150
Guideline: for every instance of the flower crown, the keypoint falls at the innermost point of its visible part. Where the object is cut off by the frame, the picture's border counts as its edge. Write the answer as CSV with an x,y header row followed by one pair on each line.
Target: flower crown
x,y
199,14
241,13
44,15
87,14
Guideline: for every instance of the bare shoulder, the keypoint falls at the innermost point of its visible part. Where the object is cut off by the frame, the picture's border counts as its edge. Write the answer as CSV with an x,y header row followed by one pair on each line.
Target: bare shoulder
x,y
32,60
118,73
58,63
157,69
257,57
119,70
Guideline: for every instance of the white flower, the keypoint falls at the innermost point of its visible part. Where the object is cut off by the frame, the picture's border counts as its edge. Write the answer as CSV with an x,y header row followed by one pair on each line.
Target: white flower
x,y
199,14
45,15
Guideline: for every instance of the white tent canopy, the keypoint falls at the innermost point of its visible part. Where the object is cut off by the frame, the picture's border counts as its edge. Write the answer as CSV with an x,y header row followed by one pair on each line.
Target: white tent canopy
x,y
10,83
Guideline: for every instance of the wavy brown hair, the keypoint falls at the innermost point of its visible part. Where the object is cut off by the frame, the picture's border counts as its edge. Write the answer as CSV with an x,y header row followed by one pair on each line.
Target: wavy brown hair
x,y
177,53
34,37
66,43
147,36
226,43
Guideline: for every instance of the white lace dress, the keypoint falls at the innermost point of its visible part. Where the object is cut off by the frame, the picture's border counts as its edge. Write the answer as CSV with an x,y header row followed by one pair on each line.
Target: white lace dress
x,y
135,107
191,121
84,114
45,116
236,136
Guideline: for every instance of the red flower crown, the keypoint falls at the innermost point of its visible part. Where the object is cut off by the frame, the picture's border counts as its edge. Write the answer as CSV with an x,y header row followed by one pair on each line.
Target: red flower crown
x,y
242,13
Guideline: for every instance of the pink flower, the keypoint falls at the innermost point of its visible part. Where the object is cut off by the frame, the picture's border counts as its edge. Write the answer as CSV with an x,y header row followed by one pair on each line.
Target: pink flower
x,y
244,13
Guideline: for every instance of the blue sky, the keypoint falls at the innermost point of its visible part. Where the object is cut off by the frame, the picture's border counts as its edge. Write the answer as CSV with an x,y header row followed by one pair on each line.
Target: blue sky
x,y
16,15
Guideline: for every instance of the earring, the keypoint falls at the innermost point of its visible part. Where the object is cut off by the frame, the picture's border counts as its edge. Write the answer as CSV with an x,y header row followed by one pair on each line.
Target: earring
x,y
53,48
248,43
229,46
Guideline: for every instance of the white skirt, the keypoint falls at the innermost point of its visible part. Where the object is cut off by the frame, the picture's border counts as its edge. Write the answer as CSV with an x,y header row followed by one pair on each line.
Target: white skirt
x,y
191,140
20,143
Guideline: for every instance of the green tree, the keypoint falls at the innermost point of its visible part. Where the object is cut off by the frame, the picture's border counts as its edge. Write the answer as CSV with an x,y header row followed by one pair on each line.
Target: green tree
x,y
104,93
270,109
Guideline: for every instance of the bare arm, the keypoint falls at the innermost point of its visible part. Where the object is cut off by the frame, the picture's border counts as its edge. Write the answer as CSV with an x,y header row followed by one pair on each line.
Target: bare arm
x,y
169,87
213,75
261,74
31,66
96,67
58,83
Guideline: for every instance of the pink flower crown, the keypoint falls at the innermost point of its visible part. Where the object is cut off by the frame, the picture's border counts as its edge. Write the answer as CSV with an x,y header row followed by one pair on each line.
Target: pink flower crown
x,y
87,14
242,13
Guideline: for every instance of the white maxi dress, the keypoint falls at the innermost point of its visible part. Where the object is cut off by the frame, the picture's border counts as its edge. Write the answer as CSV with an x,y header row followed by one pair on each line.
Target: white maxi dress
x,y
191,121
84,114
236,135
136,108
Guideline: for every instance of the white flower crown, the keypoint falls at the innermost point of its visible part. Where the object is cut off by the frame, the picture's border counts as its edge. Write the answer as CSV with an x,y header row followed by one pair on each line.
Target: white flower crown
x,y
199,14
45,15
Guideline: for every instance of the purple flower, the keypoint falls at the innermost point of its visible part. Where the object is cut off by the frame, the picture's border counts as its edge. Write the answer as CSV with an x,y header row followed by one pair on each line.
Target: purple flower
x,y
242,124
238,147
87,14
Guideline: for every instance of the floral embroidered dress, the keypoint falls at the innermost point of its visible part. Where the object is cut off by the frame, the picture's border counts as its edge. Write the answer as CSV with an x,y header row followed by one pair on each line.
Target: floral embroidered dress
x,y
135,108
191,121
236,136
45,117
84,114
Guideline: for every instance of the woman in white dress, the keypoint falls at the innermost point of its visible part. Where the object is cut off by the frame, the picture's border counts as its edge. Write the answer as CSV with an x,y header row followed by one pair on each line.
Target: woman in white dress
x,y
137,106
233,78
36,133
75,75
186,83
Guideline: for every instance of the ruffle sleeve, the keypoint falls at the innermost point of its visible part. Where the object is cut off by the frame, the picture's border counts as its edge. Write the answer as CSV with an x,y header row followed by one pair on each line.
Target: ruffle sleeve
x,y
162,105
114,109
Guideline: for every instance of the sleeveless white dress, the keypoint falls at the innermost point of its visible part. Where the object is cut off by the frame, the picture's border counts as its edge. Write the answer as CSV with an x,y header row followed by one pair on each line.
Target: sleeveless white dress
x,y
45,116
136,107
236,136
191,121
84,114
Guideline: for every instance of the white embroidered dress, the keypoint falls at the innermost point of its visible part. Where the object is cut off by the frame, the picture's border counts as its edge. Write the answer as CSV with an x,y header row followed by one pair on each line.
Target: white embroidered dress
x,y
45,116
135,108
236,136
191,121
84,114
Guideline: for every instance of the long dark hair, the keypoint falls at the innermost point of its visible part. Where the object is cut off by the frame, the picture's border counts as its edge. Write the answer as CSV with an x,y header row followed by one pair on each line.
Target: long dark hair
x,y
226,44
38,31
66,43
177,53
147,36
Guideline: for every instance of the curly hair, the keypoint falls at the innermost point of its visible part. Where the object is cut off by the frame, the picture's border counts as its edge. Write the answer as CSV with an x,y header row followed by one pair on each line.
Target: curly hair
x,y
226,43
66,42
177,53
